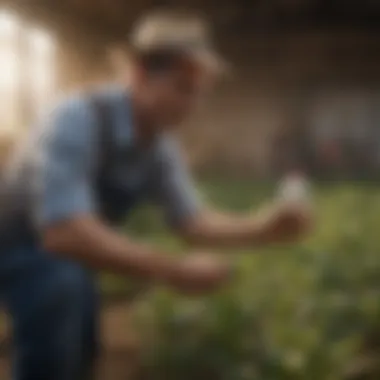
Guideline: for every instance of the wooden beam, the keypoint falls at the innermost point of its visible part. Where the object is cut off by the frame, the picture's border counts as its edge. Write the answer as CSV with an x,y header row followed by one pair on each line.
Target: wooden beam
x,y
61,18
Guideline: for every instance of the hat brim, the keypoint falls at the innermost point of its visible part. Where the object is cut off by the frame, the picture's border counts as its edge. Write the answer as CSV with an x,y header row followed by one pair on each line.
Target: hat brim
x,y
210,60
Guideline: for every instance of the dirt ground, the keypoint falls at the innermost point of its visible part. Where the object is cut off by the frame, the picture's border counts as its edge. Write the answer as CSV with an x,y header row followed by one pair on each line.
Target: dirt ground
x,y
119,351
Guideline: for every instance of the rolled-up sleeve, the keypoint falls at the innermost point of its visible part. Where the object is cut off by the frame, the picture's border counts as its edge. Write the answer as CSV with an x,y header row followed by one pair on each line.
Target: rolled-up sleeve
x,y
65,165
173,187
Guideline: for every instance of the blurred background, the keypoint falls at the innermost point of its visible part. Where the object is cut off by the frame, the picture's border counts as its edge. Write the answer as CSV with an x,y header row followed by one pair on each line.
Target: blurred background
x,y
304,93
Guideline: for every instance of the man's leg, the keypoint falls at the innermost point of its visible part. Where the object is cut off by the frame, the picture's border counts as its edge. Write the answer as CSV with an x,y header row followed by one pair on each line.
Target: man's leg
x,y
90,332
52,304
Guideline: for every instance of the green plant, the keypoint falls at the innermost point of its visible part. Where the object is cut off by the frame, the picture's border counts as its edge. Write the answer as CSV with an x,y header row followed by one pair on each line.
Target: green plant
x,y
297,312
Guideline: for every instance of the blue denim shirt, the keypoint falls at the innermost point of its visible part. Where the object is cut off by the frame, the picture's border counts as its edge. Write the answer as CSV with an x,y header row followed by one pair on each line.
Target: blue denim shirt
x,y
53,176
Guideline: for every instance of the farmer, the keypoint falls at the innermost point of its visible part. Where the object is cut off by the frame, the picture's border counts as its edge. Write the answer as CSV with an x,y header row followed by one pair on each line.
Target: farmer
x,y
95,158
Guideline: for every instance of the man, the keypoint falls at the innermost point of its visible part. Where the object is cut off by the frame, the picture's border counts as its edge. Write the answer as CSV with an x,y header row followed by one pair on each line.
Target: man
x,y
60,200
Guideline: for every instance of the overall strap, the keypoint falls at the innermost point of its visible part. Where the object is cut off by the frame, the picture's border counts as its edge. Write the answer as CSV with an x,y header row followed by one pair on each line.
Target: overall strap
x,y
104,134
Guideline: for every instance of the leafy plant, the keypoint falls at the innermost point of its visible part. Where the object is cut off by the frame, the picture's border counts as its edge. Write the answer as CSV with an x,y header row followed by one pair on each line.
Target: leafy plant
x,y
299,312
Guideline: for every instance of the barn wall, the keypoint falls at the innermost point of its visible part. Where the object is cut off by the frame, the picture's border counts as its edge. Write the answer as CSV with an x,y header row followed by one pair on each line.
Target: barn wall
x,y
273,77
234,129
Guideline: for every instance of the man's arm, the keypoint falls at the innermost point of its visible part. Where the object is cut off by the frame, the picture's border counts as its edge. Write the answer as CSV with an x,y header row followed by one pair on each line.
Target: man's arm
x,y
197,225
276,224
66,206
86,239
66,210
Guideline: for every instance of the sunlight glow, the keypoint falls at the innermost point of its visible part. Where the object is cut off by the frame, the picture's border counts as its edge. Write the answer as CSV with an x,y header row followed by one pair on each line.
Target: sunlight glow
x,y
9,70
9,24
18,43
41,68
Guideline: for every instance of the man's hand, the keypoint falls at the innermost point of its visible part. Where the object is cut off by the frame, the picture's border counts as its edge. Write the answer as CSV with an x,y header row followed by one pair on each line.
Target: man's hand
x,y
284,222
199,273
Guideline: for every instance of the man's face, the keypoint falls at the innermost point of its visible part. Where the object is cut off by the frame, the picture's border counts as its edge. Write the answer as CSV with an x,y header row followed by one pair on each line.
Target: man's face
x,y
171,96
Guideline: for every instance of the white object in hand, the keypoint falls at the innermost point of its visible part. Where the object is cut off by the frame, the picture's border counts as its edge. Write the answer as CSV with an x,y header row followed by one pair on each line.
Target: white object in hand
x,y
294,188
